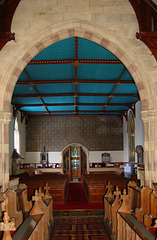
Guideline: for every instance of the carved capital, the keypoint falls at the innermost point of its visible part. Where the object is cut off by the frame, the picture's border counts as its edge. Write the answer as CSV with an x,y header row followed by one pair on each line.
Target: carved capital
x,y
148,115
145,116
5,117
151,114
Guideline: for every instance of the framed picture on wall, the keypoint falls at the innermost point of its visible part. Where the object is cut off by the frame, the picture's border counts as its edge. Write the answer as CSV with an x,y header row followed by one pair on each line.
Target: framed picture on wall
x,y
105,157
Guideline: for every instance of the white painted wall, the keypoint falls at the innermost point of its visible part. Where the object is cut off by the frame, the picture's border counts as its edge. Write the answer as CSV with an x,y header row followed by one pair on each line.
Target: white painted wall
x,y
139,128
56,157
125,141
139,133
34,157
22,132
115,156
11,139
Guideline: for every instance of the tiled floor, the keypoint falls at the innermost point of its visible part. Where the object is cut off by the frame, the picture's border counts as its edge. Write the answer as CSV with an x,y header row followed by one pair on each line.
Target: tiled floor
x,y
74,228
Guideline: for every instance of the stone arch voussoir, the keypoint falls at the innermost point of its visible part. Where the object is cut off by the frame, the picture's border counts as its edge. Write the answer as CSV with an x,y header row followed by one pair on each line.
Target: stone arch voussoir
x,y
89,32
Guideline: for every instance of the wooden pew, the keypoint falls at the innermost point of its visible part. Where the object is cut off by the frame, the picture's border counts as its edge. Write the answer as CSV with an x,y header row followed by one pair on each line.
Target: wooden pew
x,y
108,201
3,207
22,202
47,218
128,226
12,207
32,227
133,195
58,185
7,226
111,206
144,205
94,184
38,225
153,209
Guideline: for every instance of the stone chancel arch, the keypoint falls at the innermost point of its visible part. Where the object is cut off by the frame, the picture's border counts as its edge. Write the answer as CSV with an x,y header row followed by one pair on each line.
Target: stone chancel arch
x,y
102,24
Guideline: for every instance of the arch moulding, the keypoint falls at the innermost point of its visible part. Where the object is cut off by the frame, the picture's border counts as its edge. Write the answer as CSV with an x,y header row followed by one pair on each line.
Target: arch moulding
x,y
57,32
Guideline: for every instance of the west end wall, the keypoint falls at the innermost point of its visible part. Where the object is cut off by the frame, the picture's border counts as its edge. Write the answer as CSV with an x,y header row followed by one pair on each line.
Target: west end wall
x,y
97,134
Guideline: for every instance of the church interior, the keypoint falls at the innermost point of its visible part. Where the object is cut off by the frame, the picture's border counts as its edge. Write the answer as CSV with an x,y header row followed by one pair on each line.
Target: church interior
x,y
78,119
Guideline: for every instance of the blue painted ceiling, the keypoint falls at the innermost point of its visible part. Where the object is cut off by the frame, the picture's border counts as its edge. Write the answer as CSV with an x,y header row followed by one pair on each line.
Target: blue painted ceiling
x,y
75,76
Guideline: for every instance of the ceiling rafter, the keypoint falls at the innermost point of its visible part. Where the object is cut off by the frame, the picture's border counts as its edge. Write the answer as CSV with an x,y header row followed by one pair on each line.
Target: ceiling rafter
x,y
73,61
26,72
18,106
76,65
78,94
35,82
117,83
72,115
71,111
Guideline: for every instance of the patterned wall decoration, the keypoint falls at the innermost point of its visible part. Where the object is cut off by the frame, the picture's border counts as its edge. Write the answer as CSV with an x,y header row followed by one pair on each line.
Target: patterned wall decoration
x,y
97,133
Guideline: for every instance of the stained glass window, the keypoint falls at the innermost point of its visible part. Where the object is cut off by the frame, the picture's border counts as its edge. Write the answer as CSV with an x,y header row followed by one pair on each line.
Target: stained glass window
x,y
75,152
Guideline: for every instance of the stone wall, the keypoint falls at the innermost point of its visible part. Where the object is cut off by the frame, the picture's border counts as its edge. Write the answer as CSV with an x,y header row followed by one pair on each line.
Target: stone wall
x,y
110,23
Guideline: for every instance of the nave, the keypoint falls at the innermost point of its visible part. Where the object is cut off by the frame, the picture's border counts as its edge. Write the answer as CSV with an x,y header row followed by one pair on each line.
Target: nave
x,y
122,213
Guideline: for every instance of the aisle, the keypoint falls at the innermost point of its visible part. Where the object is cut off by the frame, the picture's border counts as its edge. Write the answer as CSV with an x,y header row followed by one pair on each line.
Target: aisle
x,y
76,194
79,228
76,199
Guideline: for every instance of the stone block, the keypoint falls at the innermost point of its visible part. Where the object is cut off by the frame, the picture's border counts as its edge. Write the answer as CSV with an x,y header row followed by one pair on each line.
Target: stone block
x,y
84,16
21,25
55,10
114,17
30,3
46,3
77,9
95,9
100,18
128,17
44,17
75,3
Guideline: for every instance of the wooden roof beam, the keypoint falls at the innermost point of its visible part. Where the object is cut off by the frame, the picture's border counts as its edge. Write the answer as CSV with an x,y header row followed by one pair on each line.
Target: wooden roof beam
x,y
73,61
34,82
78,94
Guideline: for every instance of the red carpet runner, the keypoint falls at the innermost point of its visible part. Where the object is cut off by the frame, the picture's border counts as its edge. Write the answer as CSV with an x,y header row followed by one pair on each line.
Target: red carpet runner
x,y
76,199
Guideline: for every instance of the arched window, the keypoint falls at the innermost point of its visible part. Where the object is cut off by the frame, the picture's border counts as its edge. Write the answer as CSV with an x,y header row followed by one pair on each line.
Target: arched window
x,y
131,133
16,136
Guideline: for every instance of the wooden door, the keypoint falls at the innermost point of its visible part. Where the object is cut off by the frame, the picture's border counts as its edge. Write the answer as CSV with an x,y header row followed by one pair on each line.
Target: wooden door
x,y
66,167
75,167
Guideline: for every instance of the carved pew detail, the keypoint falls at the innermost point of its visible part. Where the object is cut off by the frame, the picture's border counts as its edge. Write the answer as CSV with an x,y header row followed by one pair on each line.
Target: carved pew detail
x,y
38,224
23,203
7,226
108,200
125,204
111,206
12,207
153,209
109,190
115,206
48,201
128,226
45,210
134,195
47,195
145,204
36,208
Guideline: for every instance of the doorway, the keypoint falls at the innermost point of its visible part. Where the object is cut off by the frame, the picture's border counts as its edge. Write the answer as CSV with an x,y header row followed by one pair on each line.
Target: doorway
x,y
74,161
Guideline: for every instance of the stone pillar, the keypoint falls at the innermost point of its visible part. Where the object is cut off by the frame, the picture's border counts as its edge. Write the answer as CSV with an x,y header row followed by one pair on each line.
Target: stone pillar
x,y
150,162
5,118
